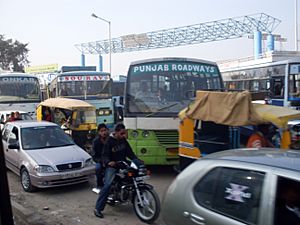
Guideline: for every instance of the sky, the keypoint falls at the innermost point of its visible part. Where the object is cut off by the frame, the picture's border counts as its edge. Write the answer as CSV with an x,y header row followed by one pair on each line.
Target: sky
x,y
52,28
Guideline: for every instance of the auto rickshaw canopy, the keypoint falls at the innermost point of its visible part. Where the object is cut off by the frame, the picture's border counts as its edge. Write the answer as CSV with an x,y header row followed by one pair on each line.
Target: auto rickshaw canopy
x,y
236,109
67,103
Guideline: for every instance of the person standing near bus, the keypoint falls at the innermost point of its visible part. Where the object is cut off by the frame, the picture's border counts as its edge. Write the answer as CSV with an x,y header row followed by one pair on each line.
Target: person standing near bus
x,y
97,150
18,116
11,117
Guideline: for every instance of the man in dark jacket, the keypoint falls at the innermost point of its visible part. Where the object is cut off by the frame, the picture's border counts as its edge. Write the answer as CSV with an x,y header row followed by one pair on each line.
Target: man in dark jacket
x,y
96,154
115,149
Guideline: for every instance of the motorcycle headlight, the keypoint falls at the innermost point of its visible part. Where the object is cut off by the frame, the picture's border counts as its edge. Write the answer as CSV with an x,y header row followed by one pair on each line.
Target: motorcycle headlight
x,y
89,162
44,169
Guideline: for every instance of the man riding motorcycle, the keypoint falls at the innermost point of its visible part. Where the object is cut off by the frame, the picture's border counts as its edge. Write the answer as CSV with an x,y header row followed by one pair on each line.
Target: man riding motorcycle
x,y
116,149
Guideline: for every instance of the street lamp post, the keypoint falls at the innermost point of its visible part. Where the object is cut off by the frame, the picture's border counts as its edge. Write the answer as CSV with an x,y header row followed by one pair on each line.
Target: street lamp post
x,y
109,38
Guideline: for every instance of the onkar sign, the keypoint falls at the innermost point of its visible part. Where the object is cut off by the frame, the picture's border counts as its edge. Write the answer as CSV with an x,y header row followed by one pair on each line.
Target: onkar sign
x,y
83,78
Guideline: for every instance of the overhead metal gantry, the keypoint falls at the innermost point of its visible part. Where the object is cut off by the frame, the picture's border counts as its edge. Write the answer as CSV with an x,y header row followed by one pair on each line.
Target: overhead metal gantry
x,y
186,35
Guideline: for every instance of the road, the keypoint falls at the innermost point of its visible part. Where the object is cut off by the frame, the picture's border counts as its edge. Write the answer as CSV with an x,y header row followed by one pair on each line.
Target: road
x,y
73,205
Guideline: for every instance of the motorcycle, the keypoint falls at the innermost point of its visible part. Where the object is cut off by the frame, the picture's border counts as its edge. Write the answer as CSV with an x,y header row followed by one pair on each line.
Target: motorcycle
x,y
129,186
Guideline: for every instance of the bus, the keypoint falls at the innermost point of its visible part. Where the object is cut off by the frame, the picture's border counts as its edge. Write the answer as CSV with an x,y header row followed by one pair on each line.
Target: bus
x,y
275,82
19,92
152,120
91,86
118,88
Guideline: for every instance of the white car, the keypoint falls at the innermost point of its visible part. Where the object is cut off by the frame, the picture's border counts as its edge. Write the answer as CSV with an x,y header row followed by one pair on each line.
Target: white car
x,y
44,155
4,115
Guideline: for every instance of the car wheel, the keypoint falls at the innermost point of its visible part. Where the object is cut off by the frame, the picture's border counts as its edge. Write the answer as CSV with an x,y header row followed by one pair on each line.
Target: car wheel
x,y
25,181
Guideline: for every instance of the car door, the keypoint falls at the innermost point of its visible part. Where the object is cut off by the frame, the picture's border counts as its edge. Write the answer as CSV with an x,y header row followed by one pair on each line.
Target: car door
x,y
11,136
226,195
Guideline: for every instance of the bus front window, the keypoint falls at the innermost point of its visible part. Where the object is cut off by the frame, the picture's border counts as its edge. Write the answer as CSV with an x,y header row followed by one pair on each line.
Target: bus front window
x,y
99,88
167,92
19,90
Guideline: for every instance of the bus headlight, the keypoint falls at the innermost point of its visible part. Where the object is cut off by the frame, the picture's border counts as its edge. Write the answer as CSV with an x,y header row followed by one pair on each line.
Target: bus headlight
x,y
134,133
145,133
143,151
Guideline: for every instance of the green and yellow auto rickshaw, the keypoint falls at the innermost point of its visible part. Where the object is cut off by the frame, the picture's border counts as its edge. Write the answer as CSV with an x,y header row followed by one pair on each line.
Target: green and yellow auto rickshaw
x,y
76,117
214,121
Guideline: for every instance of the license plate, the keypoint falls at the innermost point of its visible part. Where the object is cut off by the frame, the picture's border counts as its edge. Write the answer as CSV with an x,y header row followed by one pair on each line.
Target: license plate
x,y
70,175
142,178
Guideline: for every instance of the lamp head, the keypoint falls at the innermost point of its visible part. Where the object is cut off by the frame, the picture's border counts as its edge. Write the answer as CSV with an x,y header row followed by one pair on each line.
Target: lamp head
x,y
94,15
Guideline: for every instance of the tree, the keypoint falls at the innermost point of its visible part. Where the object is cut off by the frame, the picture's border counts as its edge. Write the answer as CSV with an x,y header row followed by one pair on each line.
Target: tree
x,y
13,55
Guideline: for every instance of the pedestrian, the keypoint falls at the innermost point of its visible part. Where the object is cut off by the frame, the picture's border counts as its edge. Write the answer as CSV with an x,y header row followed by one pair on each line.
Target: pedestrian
x,y
18,116
58,116
115,149
260,138
48,115
96,154
11,117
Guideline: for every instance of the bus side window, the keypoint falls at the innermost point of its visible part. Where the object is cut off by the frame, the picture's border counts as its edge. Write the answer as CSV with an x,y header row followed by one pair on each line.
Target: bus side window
x,y
278,89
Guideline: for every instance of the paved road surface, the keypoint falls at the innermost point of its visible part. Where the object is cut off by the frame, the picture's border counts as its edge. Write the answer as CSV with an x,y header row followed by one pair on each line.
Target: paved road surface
x,y
73,205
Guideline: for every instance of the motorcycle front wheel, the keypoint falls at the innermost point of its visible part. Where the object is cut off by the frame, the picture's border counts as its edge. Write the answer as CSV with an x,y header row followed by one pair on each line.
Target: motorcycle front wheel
x,y
148,210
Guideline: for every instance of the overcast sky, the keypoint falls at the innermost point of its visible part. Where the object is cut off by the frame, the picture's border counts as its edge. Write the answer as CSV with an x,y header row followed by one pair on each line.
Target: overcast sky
x,y
52,28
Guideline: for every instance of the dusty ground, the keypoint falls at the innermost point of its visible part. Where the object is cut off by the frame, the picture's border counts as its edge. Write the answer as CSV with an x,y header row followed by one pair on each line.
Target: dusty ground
x,y
73,205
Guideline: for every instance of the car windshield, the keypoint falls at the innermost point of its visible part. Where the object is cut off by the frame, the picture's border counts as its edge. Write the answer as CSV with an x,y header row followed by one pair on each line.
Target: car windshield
x,y
44,137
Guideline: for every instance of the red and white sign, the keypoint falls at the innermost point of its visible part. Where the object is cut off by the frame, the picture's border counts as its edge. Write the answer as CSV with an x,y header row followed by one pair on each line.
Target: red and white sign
x,y
83,78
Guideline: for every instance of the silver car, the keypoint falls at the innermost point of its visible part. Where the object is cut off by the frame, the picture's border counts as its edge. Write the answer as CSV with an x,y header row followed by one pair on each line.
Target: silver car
x,y
44,156
240,186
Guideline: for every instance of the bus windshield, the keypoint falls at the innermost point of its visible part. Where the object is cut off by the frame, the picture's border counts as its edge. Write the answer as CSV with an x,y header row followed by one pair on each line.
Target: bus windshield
x,y
79,85
19,89
167,87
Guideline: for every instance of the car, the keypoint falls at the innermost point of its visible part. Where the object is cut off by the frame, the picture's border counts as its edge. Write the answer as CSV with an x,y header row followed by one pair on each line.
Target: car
x,y
43,155
4,115
241,186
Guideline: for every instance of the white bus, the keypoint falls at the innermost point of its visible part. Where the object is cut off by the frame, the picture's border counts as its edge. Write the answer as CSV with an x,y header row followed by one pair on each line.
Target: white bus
x,y
19,92
277,81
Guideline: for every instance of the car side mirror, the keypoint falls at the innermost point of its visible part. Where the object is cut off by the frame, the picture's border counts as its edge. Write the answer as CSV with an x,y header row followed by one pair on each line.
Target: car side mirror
x,y
14,146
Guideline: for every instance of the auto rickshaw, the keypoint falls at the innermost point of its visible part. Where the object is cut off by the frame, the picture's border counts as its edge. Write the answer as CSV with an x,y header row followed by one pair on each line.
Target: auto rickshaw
x,y
79,118
213,122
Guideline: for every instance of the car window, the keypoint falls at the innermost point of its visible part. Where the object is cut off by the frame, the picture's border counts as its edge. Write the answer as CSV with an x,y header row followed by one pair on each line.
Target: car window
x,y
13,136
232,192
6,132
44,137
287,202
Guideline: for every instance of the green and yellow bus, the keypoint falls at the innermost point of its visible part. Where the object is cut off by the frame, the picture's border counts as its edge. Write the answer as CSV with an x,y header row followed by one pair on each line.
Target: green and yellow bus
x,y
156,90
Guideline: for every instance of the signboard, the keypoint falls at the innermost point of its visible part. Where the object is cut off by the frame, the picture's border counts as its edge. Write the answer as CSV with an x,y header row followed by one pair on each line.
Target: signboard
x,y
135,40
175,67
84,78
17,80
50,68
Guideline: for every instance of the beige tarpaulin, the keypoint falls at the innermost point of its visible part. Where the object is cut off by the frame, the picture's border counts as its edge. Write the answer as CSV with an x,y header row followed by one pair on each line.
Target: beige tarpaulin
x,y
277,115
66,103
236,109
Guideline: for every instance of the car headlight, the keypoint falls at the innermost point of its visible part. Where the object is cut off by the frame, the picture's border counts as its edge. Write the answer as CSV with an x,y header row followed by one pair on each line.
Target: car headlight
x,y
89,162
44,169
